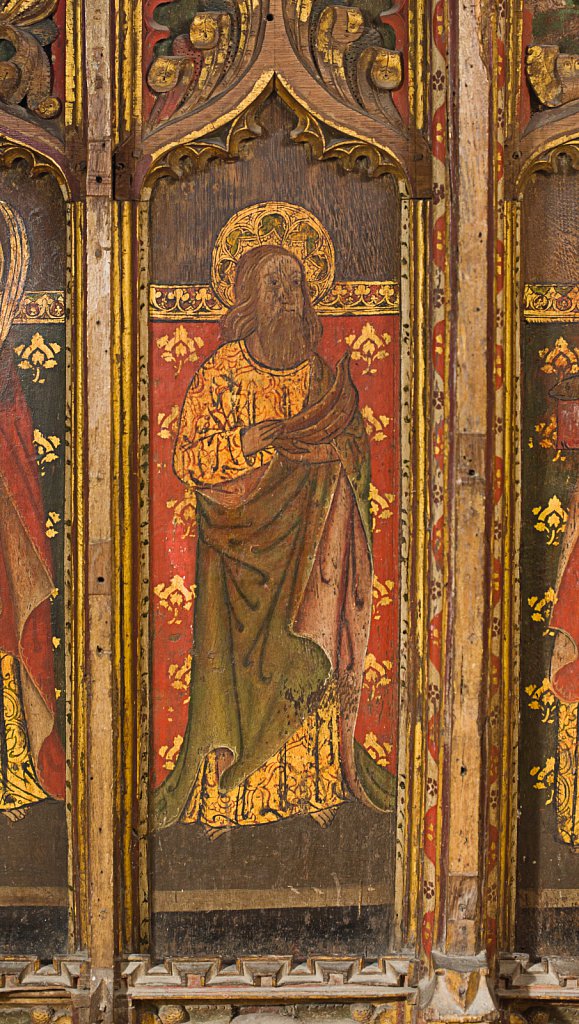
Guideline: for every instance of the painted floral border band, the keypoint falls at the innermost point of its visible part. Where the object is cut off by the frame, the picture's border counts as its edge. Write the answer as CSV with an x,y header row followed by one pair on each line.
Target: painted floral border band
x,y
41,308
345,298
545,302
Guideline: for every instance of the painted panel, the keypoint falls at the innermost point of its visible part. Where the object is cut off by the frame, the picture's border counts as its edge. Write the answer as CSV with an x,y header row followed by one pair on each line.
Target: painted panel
x,y
276,585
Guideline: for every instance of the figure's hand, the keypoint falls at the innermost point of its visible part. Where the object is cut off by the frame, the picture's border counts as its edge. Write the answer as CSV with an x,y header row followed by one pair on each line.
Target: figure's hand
x,y
327,418
261,435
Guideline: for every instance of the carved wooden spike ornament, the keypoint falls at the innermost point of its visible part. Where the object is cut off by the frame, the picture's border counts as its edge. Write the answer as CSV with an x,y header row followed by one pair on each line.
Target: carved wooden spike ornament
x,y
554,76
346,50
26,75
215,52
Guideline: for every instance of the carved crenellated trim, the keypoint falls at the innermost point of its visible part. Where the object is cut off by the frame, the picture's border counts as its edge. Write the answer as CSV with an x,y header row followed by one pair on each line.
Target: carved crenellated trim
x,y
28,973
551,977
218,979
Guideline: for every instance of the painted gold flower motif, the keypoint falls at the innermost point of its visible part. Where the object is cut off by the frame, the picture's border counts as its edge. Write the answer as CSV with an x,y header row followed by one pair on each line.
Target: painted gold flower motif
x,y
180,348
176,597
381,596
45,449
380,507
180,676
38,355
184,512
171,753
376,426
551,520
378,751
542,606
51,526
546,437
542,698
369,347
544,776
168,424
376,678
561,360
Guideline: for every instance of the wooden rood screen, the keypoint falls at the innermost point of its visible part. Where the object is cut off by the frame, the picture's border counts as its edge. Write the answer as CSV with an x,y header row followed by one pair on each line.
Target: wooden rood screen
x,y
289,511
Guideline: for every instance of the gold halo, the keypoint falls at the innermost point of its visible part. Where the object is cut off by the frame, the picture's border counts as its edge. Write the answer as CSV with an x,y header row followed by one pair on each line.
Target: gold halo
x,y
292,227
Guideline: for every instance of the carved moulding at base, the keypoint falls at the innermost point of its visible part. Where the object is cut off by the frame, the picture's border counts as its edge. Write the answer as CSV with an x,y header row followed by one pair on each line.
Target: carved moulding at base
x,y
55,993
552,977
346,977
324,1013
457,990
26,973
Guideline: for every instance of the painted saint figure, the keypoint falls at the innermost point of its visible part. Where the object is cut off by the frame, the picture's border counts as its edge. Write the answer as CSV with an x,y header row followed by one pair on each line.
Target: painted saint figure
x,y
275,447
31,754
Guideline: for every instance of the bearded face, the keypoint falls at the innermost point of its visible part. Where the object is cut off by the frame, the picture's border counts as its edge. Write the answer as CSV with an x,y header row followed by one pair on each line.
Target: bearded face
x,y
273,308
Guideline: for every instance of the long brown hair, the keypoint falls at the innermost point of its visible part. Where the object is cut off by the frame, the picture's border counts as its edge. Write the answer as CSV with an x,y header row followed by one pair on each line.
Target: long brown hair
x,y
241,321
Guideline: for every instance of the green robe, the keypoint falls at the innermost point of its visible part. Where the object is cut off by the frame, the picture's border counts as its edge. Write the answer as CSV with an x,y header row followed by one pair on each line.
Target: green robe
x,y
256,673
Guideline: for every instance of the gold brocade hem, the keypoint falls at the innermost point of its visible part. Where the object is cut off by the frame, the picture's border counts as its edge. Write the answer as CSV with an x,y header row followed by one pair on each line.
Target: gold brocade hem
x,y
567,790
304,777
18,783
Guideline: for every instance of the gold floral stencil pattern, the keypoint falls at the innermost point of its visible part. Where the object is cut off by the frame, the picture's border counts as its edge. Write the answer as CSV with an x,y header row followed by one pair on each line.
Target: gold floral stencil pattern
x,y
305,777
18,787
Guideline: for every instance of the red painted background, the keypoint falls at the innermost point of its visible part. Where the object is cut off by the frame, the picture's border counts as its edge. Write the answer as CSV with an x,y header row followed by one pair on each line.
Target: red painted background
x,y
172,552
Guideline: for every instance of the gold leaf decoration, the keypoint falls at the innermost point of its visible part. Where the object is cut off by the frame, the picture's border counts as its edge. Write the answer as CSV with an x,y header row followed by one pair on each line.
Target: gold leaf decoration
x,y
541,607
378,751
547,438
185,512
176,597
567,793
551,520
376,426
180,676
168,424
180,348
45,449
51,527
381,596
380,507
376,678
169,754
561,360
544,776
369,347
39,355
542,698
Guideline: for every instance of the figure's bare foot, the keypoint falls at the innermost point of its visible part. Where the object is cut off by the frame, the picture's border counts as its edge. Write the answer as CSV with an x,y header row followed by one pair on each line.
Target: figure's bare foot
x,y
213,832
324,817
15,813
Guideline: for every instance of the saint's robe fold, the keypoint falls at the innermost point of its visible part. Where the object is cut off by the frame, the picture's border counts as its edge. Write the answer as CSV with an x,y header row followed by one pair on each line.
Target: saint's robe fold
x,y
26,579
283,606
565,614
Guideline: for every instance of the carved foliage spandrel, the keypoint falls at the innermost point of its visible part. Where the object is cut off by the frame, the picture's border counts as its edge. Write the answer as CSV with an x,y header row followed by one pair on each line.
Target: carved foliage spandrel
x,y
27,33
554,76
193,51
357,51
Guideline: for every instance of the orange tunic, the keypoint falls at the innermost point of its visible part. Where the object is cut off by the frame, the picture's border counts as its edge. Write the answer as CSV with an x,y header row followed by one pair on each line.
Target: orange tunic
x,y
232,391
